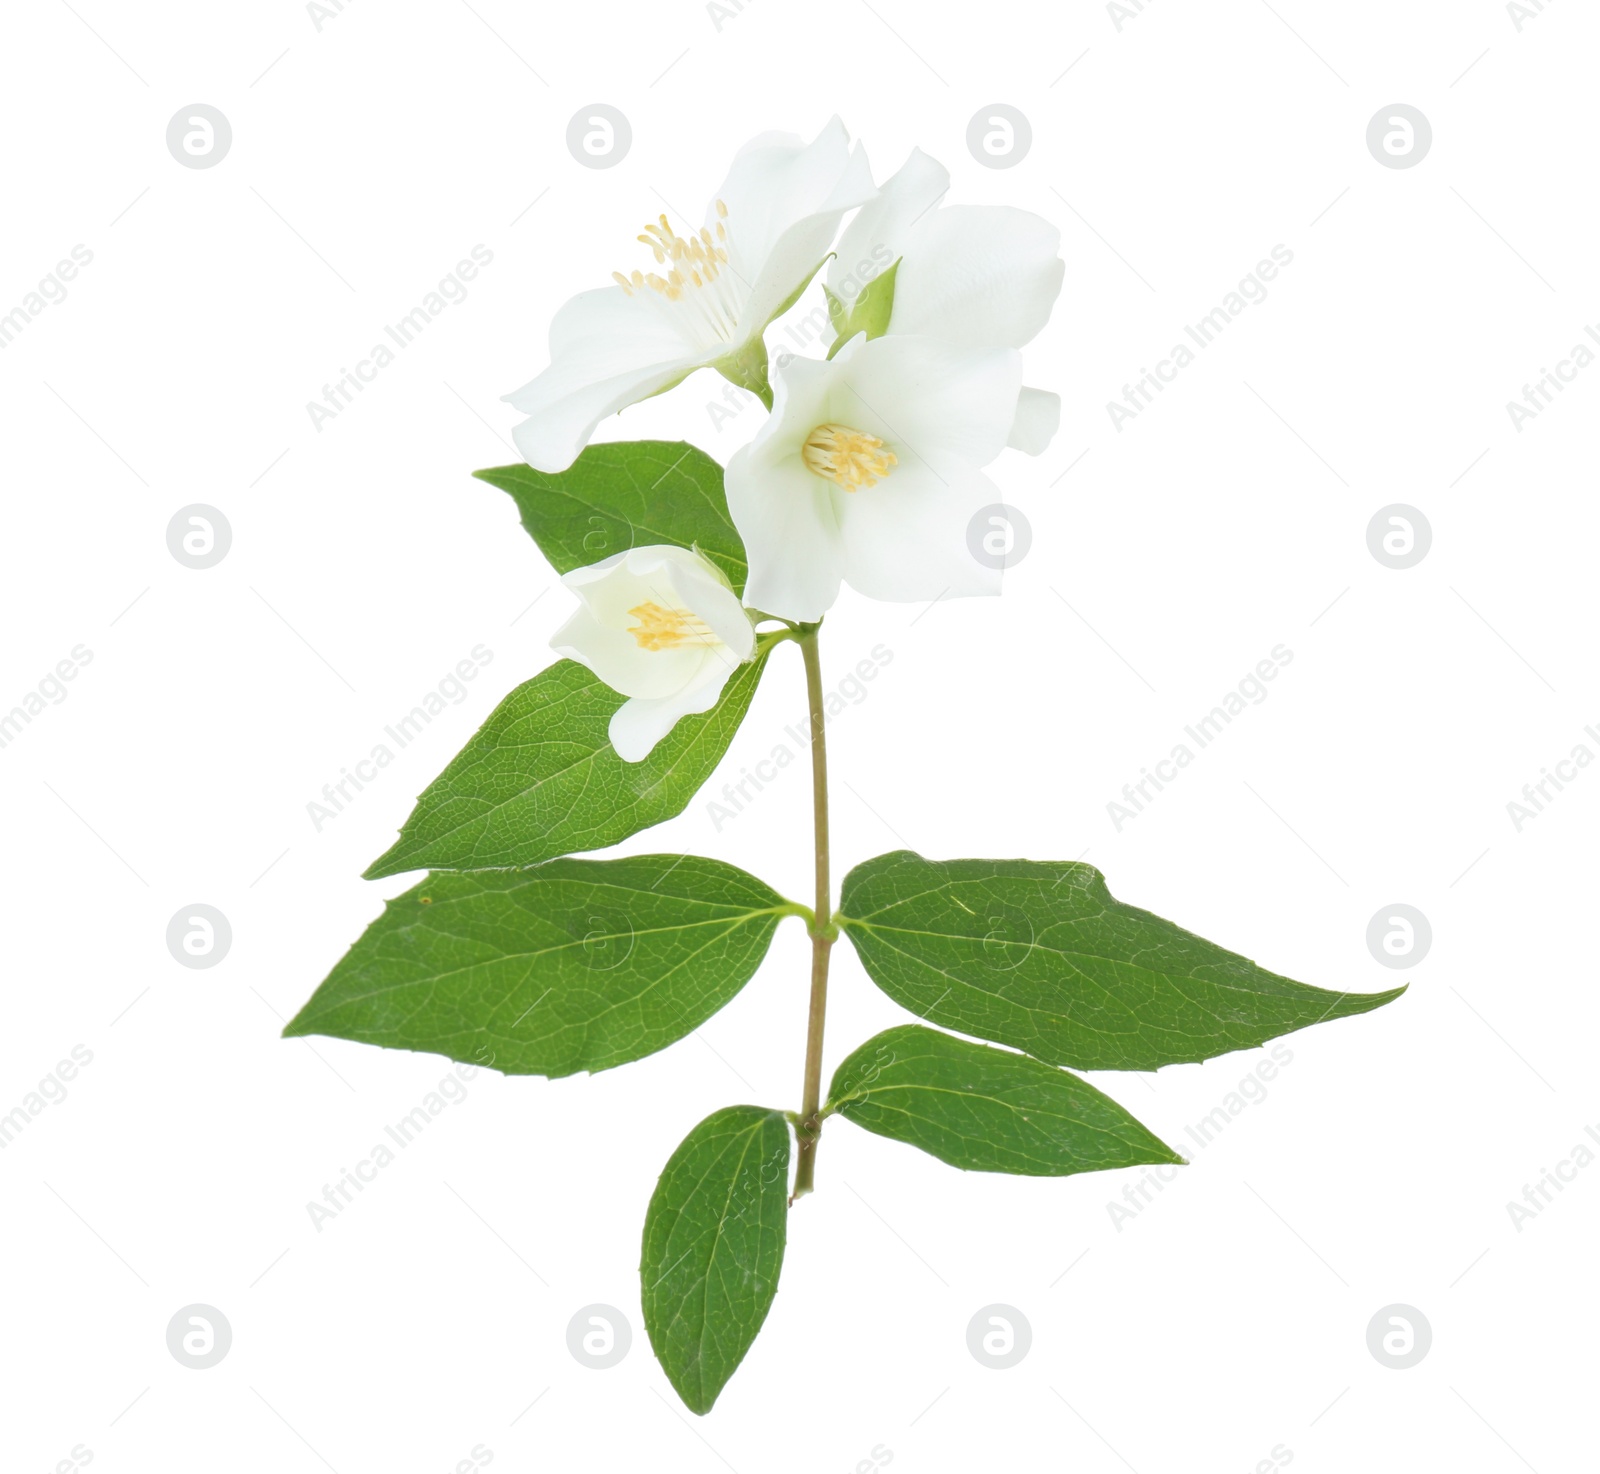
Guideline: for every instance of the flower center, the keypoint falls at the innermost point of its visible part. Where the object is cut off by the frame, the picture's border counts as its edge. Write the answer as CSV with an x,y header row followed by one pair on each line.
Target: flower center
x,y
668,629
696,275
848,458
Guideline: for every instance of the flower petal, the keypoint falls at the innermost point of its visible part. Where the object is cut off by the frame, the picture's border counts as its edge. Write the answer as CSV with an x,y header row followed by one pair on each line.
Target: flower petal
x,y
790,528
637,725
1037,420
978,275
621,662
929,399
607,350
786,515
905,539
602,634
699,589
785,199
877,237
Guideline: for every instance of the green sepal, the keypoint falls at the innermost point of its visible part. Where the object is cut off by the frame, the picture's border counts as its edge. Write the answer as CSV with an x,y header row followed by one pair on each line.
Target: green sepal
x,y
869,313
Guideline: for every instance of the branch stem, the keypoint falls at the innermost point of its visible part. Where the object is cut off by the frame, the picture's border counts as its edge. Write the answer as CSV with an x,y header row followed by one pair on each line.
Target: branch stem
x,y
808,1127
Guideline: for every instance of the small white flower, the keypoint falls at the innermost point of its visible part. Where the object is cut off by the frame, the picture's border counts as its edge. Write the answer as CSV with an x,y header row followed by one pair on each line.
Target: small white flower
x,y
869,472
661,626
709,300
981,276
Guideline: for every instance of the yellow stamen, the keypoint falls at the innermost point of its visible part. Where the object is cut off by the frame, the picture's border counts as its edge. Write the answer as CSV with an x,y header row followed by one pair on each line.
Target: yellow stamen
x,y
697,273
667,245
848,458
668,629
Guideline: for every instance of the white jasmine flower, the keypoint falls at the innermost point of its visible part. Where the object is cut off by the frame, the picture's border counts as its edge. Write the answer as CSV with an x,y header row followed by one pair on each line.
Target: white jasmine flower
x,y
661,626
869,472
711,297
981,276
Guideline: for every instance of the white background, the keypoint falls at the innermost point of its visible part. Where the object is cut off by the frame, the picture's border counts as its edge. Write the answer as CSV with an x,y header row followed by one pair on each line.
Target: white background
x,y
1229,1317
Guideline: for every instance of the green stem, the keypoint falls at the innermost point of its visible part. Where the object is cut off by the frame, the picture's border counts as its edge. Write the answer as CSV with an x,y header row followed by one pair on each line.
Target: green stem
x,y
809,1125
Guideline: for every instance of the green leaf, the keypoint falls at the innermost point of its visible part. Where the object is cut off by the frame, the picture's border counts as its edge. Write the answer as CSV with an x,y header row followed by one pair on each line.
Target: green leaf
x,y
986,1110
540,777
713,1247
869,313
632,494
574,965
1040,956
